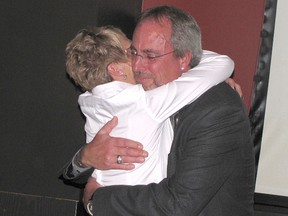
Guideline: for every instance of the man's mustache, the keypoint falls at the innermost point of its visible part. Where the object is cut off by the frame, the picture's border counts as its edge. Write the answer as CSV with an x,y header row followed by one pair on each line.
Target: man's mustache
x,y
140,74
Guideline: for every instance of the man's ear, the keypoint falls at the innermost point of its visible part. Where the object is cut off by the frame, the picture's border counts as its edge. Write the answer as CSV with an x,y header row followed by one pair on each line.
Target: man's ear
x,y
185,60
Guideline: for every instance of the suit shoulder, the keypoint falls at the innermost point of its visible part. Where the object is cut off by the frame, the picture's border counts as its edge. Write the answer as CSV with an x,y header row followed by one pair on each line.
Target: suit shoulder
x,y
220,98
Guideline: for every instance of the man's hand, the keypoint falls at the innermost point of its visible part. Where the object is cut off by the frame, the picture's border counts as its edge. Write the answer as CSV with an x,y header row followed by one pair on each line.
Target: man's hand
x,y
101,153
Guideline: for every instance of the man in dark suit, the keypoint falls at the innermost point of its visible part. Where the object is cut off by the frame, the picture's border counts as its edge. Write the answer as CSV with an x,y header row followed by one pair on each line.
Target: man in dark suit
x,y
211,162
210,166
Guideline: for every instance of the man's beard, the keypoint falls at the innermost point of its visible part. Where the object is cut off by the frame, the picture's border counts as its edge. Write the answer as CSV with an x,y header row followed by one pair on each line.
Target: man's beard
x,y
147,81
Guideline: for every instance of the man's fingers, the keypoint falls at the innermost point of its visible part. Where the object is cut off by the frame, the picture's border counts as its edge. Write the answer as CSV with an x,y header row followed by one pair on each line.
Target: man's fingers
x,y
108,127
125,143
125,166
128,162
128,159
131,152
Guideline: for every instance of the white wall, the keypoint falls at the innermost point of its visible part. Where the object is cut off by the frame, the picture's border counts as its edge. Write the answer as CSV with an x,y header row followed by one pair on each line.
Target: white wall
x,y
272,177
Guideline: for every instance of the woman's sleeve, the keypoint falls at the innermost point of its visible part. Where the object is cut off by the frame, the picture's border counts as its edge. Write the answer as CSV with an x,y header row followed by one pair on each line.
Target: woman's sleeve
x,y
167,99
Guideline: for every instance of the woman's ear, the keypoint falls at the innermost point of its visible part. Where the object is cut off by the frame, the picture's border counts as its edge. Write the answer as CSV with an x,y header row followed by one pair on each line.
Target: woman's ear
x,y
114,71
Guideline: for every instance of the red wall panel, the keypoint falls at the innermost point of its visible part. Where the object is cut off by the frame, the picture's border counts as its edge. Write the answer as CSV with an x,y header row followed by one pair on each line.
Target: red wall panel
x,y
229,27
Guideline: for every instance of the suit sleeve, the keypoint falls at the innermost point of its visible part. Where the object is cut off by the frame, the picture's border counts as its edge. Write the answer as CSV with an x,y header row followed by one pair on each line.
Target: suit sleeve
x,y
205,158
76,175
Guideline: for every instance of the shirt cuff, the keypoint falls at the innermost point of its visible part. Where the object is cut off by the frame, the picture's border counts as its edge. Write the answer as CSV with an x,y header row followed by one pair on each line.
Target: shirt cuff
x,y
77,170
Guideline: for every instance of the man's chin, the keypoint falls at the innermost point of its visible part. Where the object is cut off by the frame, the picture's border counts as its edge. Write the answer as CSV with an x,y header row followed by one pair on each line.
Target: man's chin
x,y
147,84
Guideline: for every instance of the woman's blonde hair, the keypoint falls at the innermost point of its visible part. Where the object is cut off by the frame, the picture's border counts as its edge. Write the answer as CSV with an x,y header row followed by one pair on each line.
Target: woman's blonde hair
x,y
90,52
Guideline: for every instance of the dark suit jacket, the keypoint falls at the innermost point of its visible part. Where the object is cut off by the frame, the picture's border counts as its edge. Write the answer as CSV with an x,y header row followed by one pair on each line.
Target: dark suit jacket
x,y
210,166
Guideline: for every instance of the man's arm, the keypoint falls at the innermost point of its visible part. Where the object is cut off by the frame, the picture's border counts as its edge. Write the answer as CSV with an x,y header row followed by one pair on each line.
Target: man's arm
x,y
75,171
101,153
206,156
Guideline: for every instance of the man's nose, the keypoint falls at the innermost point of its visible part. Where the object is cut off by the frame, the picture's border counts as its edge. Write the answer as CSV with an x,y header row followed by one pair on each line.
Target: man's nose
x,y
138,63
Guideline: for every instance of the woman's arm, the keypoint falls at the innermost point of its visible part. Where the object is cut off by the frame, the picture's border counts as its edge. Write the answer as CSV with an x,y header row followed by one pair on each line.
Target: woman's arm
x,y
167,99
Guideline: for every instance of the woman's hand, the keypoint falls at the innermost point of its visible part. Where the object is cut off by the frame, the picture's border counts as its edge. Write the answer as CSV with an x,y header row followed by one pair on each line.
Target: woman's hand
x,y
235,86
91,186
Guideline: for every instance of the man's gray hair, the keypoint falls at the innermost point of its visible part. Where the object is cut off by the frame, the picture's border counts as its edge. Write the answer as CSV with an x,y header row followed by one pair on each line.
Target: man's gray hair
x,y
186,34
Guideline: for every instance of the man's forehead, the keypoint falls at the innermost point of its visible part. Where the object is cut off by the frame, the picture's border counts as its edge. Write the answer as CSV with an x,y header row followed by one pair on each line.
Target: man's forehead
x,y
150,34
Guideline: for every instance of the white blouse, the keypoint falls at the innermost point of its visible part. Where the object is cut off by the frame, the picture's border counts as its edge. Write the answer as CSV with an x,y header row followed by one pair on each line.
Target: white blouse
x,y
143,116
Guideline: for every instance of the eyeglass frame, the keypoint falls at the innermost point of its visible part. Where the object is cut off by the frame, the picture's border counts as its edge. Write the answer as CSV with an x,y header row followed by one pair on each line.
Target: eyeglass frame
x,y
132,51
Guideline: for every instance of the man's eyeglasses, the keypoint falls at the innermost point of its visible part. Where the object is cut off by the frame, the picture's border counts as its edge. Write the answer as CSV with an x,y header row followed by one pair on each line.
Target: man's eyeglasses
x,y
149,57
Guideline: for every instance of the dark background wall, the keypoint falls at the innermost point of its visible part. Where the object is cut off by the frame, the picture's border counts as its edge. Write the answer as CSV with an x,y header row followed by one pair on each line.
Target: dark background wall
x,y
41,126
